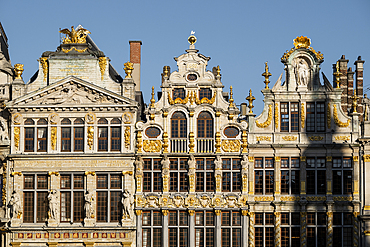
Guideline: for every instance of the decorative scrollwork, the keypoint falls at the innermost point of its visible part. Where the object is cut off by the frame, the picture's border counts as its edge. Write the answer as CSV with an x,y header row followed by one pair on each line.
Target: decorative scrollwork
x,y
263,138
342,138
268,120
316,198
90,136
231,145
264,198
316,138
303,116
17,131
178,100
127,136
74,48
289,138
367,158
290,198
53,137
337,121
343,198
205,100
276,115
152,146
44,65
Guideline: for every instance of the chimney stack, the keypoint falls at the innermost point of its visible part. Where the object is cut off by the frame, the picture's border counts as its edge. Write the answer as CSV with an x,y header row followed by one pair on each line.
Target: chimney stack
x,y
135,58
359,65
343,68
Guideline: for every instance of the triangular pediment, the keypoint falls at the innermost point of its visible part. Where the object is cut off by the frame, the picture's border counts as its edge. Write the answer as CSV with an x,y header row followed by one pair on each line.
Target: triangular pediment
x,y
71,91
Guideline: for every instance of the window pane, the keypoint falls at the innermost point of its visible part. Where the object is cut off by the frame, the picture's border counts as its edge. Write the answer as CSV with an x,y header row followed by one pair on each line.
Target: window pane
x,y
115,181
28,207
78,206
42,182
42,206
157,218
225,218
114,206
78,139
65,181
209,218
102,205
78,181
102,181
29,182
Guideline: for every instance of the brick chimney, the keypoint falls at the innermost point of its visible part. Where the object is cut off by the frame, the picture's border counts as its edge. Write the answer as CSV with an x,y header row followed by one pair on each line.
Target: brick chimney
x,y
359,65
343,67
135,58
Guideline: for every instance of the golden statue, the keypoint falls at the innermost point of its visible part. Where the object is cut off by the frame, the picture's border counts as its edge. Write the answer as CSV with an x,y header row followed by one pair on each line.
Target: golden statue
x,y
74,36
128,69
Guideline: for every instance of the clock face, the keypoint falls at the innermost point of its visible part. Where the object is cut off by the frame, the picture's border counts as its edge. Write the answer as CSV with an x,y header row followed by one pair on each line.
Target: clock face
x,y
192,77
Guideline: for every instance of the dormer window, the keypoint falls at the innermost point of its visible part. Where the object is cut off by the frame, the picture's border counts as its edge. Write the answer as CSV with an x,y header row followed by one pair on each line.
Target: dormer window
x,y
178,93
192,77
205,93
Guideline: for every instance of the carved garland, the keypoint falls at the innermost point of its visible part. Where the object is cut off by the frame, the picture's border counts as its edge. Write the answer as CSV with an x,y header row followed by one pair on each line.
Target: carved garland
x,y
316,138
263,138
17,131
127,136
53,137
276,116
303,116
289,138
44,64
337,121
74,48
102,65
152,146
205,100
268,120
90,136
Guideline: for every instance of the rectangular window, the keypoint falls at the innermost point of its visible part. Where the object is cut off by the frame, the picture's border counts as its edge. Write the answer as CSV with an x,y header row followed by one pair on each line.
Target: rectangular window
x,y
284,115
342,176
78,139
41,139
290,176
103,139
29,139
264,229
204,228
178,93
264,176
205,93
294,116
316,229
231,177
204,175
315,117
178,228
109,191
310,122
231,228
316,176
35,197
152,229
152,177
72,198
115,139
66,139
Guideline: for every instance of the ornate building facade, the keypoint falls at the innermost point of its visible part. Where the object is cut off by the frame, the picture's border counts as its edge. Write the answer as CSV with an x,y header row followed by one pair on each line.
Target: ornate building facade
x,y
84,163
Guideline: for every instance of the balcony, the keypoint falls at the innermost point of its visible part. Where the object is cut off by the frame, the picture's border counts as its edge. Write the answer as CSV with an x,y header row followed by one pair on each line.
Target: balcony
x,y
178,145
205,145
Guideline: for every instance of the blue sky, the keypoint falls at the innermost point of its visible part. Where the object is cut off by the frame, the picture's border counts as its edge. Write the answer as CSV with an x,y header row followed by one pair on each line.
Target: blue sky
x,y
238,35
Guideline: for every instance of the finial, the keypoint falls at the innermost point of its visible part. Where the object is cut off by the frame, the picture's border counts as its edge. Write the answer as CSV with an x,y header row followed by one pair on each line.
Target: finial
x,y
250,98
18,69
152,101
231,100
129,67
354,101
218,70
166,70
337,74
192,39
266,74
302,42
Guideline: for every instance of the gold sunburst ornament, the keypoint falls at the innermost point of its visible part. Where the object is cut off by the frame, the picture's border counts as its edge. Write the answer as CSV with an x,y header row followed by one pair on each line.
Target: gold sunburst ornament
x,y
301,42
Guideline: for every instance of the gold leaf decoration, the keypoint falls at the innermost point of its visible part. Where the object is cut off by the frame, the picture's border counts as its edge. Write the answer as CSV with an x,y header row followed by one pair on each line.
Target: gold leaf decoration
x,y
178,100
328,116
53,137
152,146
290,138
231,145
263,138
337,121
44,65
316,138
127,136
342,138
276,116
102,65
17,131
303,116
205,100
268,120
90,136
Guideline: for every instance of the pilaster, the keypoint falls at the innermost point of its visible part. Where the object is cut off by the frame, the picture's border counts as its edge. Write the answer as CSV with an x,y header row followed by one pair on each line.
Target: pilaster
x,y
245,226
251,229
191,228
139,232
165,228
218,228
303,175
277,176
329,229
277,235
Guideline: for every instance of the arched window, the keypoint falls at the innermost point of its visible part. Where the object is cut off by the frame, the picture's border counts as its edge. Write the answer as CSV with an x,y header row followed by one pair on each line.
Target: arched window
x,y
205,125
178,125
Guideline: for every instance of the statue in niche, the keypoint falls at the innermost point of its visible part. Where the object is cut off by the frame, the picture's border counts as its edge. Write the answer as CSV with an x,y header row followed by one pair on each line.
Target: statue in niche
x,y
127,203
53,204
89,210
15,205
165,165
192,165
3,130
218,165
139,166
302,72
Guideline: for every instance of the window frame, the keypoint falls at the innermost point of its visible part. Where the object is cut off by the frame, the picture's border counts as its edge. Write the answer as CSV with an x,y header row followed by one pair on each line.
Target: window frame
x,y
234,169
73,190
265,171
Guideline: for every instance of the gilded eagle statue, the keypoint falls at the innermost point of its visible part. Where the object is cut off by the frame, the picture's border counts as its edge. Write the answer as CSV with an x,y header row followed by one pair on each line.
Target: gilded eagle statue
x,y
75,36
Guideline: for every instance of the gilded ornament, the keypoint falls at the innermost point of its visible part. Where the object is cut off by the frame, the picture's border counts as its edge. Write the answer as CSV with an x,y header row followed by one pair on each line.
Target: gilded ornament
x,y
92,173
303,116
244,142
250,98
217,201
178,201
218,183
178,100
218,113
336,119
17,118
102,66
367,158
18,70
205,100
245,212
263,138
165,142
302,42
268,120
152,201
328,116
127,172
303,158
230,145
289,138
245,182
192,39
152,100
152,146
139,143
165,114
140,201
266,74
53,137
355,158
74,36
74,48
343,198
90,118
218,212
204,201
191,212
165,212
242,201
191,201
17,131
44,65
16,173
127,136
129,67
264,198
90,136
251,158
277,159
138,212
218,142
316,138
342,138
276,115
290,198
231,100
53,173
316,198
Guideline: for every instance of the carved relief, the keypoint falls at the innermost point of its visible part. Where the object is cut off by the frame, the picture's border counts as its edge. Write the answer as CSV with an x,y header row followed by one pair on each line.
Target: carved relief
x,y
230,145
53,204
268,120
15,206
336,119
152,146
17,118
3,130
17,131
90,136
289,138
89,209
53,137
127,136
127,205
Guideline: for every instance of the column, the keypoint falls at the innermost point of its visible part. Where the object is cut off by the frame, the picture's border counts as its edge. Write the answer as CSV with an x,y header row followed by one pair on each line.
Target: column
x,y
251,229
218,228
329,229
139,232
251,175
303,175
245,228
191,228
277,232
329,177
303,228
165,228
277,176
356,227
